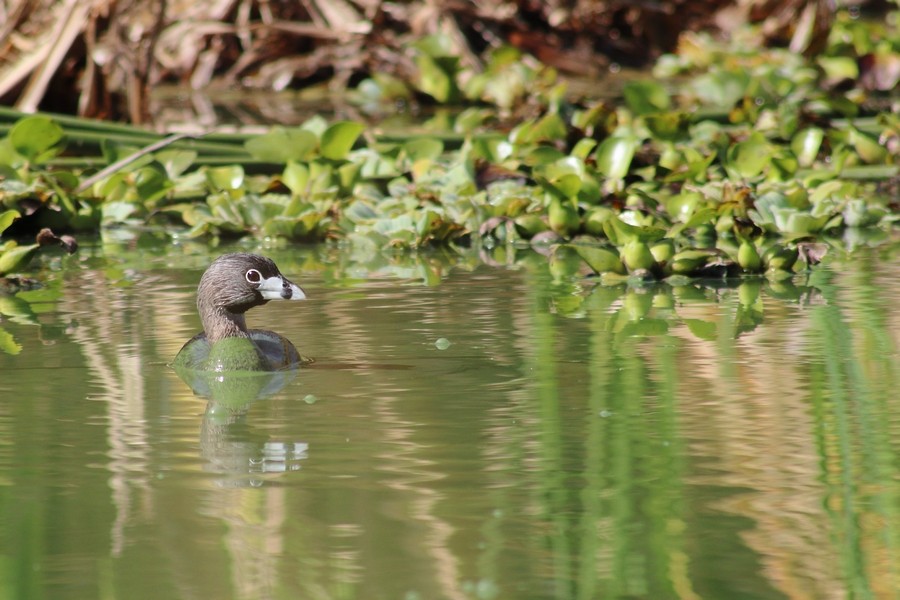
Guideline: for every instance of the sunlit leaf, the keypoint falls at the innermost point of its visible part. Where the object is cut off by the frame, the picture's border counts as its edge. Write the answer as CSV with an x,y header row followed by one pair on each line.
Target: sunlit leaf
x,y
36,138
583,148
295,177
600,260
226,178
281,144
423,148
338,139
151,183
6,219
614,156
806,145
437,77
867,146
646,96
117,212
176,162
16,258
748,158
668,126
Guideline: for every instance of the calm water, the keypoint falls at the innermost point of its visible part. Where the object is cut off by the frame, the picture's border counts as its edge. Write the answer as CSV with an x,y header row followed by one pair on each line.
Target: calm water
x,y
572,441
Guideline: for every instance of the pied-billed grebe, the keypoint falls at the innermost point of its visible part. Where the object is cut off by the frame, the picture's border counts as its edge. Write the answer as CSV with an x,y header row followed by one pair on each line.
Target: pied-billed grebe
x,y
232,285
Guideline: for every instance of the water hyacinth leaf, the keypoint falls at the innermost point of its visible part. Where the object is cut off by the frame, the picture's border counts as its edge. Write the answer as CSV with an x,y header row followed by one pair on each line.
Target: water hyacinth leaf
x,y
703,216
437,77
867,146
668,126
281,144
16,258
222,207
225,178
562,177
590,190
748,158
360,212
7,217
600,260
683,205
295,177
838,68
720,87
614,156
784,165
542,155
423,148
646,96
9,158
493,148
36,138
378,166
339,138
549,128
583,148
806,144
151,183
316,125
117,212
348,175
596,217
563,217
428,222
176,162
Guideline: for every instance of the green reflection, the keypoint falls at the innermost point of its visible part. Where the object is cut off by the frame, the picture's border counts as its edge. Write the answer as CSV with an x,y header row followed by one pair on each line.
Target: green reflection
x,y
571,440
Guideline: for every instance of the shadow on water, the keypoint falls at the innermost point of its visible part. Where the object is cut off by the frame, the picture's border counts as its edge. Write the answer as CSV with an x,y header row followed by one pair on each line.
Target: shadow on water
x,y
471,428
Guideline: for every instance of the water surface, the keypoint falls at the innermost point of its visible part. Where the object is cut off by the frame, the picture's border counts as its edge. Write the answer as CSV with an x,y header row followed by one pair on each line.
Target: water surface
x,y
571,441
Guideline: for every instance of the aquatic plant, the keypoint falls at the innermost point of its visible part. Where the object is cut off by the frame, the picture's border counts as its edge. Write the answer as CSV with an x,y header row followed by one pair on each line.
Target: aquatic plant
x,y
734,168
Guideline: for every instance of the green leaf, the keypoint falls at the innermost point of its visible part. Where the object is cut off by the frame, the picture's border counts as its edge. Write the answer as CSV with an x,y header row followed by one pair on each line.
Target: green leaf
x,y
423,148
668,126
747,159
867,146
176,162
16,258
281,144
151,183
806,144
37,138
117,212
437,77
295,177
583,148
646,96
562,177
225,178
7,218
601,260
338,140
614,156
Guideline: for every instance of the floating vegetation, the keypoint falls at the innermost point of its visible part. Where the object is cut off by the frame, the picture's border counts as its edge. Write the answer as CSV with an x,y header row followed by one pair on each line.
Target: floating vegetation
x,y
728,163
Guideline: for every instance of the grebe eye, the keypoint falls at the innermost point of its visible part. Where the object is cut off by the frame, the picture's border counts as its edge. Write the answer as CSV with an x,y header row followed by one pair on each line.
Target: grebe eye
x,y
253,276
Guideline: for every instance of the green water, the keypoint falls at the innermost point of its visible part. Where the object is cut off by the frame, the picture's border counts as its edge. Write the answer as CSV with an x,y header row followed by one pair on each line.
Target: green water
x,y
571,441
